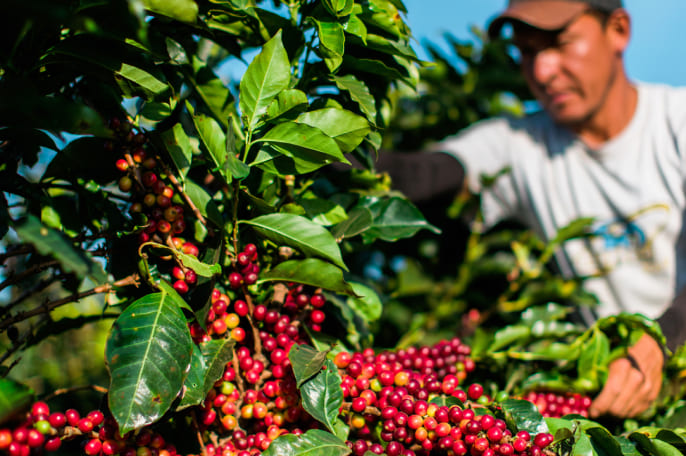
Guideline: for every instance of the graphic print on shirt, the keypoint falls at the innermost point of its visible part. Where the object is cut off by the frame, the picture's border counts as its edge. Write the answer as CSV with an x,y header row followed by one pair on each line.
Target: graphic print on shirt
x,y
622,240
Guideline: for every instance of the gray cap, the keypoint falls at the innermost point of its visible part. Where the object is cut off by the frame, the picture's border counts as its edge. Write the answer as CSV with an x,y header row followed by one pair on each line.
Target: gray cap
x,y
548,14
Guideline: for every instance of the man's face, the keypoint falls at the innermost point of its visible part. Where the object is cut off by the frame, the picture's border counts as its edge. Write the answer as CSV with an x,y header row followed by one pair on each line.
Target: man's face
x,y
570,72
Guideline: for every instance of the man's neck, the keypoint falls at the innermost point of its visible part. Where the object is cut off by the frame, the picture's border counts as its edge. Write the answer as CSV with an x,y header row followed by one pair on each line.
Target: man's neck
x,y
612,118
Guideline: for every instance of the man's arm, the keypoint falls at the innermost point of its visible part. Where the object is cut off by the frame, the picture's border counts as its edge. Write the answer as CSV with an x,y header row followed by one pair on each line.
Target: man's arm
x,y
634,381
673,322
422,176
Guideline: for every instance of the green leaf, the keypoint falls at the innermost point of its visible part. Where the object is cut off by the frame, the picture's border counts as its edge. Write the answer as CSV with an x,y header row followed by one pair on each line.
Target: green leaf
x,y
548,312
366,303
200,268
179,147
509,335
209,360
594,358
583,446
394,218
173,295
322,210
181,10
293,138
627,446
193,391
155,112
142,78
287,102
314,442
358,221
310,271
447,401
216,96
216,353
547,350
300,233
331,42
214,139
346,128
524,416
14,398
322,395
266,76
603,441
359,93
281,162
203,201
306,362
51,242
339,8
356,27
148,354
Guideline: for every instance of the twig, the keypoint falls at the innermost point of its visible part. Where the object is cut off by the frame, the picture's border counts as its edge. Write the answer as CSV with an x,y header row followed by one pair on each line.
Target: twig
x,y
74,389
370,410
40,286
51,305
15,278
175,182
19,250
199,434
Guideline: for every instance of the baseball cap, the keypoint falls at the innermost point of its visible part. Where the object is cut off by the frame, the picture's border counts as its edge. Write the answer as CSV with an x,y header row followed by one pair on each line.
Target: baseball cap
x,y
548,14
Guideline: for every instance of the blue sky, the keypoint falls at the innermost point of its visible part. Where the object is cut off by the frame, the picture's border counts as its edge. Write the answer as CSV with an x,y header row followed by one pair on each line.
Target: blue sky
x,y
655,54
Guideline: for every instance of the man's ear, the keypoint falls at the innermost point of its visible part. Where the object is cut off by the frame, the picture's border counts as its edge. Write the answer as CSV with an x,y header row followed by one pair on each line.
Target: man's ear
x,y
618,28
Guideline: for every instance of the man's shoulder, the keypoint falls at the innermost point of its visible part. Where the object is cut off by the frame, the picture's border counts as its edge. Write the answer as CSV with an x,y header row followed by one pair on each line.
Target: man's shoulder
x,y
662,93
664,103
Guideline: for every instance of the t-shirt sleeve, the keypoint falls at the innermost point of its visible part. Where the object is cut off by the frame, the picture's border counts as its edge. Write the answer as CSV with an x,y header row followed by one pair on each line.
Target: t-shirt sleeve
x,y
483,149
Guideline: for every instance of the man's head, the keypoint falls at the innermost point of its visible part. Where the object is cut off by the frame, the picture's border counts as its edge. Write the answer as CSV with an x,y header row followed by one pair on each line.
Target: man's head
x,y
571,53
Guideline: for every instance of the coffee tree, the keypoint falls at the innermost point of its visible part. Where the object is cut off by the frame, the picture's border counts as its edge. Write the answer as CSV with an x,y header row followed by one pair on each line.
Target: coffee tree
x,y
184,163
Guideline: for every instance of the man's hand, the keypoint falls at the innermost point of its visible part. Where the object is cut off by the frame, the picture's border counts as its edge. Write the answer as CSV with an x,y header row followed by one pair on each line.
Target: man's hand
x,y
633,382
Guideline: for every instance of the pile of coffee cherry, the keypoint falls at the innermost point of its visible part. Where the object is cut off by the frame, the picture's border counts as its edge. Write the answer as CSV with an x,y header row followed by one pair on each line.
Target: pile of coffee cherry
x,y
555,405
409,402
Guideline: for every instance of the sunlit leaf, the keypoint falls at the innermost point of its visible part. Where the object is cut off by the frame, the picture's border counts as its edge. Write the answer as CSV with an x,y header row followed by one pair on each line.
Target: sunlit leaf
x,y
366,303
314,442
331,42
300,233
347,128
148,355
266,76
179,147
203,201
310,271
306,362
359,92
524,416
394,218
293,137
322,395
181,10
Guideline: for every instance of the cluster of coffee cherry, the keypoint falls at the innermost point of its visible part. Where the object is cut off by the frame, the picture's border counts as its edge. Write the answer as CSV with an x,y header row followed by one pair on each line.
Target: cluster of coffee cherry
x,y
391,391
153,197
44,430
257,400
556,405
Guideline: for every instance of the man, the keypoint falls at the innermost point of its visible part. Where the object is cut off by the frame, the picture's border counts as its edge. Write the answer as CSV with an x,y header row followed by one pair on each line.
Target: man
x,y
602,147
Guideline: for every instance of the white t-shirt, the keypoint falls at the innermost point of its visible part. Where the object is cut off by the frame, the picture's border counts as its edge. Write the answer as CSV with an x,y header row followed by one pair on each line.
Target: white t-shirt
x,y
633,187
